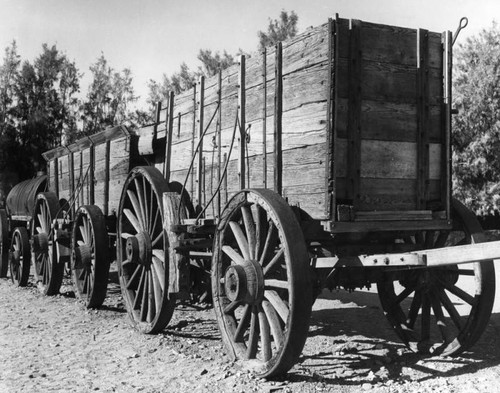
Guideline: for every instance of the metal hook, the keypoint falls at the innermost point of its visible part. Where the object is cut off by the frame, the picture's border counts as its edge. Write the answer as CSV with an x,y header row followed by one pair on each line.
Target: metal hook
x,y
461,25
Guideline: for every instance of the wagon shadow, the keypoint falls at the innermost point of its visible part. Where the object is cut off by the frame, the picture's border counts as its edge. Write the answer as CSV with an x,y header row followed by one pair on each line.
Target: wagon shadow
x,y
350,342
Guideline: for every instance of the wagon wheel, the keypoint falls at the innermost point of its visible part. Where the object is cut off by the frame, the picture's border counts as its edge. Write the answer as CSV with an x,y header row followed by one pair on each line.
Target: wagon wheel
x,y
20,257
48,272
200,280
4,243
260,282
89,256
459,297
142,250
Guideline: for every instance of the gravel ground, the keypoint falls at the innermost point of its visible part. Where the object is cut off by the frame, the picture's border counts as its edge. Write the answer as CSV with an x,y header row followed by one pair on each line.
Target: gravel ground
x,y
53,344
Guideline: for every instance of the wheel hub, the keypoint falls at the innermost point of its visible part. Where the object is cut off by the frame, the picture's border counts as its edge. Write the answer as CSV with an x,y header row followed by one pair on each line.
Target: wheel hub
x,y
139,249
245,282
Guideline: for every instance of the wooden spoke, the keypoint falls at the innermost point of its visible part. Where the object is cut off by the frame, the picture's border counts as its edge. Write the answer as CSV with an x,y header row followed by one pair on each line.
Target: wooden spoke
x,y
232,306
460,293
278,304
441,239
273,283
144,297
142,201
253,339
265,334
240,239
137,209
159,270
134,282
403,295
233,254
426,319
140,290
158,288
466,272
151,298
438,313
155,221
269,244
157,239
414,308
450,309
132,219
250,230
260,219
278,257
243,323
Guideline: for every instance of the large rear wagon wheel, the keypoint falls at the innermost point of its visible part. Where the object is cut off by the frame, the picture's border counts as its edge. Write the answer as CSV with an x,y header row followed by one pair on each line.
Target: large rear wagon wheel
x,y
260,282
442,310
20,257
4,244
143,252
48,272
89,256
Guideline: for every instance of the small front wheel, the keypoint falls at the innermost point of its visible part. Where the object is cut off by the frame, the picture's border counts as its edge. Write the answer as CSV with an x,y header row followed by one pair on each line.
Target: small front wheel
x,y
48,272
20,257
89,256
260,282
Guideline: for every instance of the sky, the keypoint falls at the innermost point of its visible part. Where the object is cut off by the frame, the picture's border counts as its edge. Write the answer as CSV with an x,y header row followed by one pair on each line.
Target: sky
x,y
152,37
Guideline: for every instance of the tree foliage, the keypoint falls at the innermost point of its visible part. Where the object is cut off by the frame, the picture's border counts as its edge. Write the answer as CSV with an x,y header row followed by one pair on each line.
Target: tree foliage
x,y
279,29
476,129
109,98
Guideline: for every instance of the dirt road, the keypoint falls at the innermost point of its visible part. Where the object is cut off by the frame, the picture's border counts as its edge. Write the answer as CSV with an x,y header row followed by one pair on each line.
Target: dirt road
x,y
52,344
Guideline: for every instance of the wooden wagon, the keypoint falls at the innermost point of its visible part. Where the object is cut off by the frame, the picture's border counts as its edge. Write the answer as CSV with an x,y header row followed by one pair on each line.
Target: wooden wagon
x,y
322,162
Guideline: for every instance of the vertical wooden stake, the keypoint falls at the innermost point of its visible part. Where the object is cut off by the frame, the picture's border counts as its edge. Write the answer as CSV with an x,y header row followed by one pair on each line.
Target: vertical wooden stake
x,y
264,118
219,143
107,158
169,122
193,136
91,174
241,107
354,114
199,167
446,113
278,113
157,118
422,118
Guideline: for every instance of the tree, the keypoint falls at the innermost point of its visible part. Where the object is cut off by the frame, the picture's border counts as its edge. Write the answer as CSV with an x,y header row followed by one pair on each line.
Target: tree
x,y
45,107
279,29
9,72
476,129
109,98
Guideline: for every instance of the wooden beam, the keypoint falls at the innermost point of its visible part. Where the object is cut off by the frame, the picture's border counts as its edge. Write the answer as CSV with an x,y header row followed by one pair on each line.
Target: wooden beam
x,y
199,161
56,176
71,175
91,175
169,121
461,254
264,118
106,178
354,113
193,138
241,116
219,142
446,122
422,118
331,119
157,119
278,114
